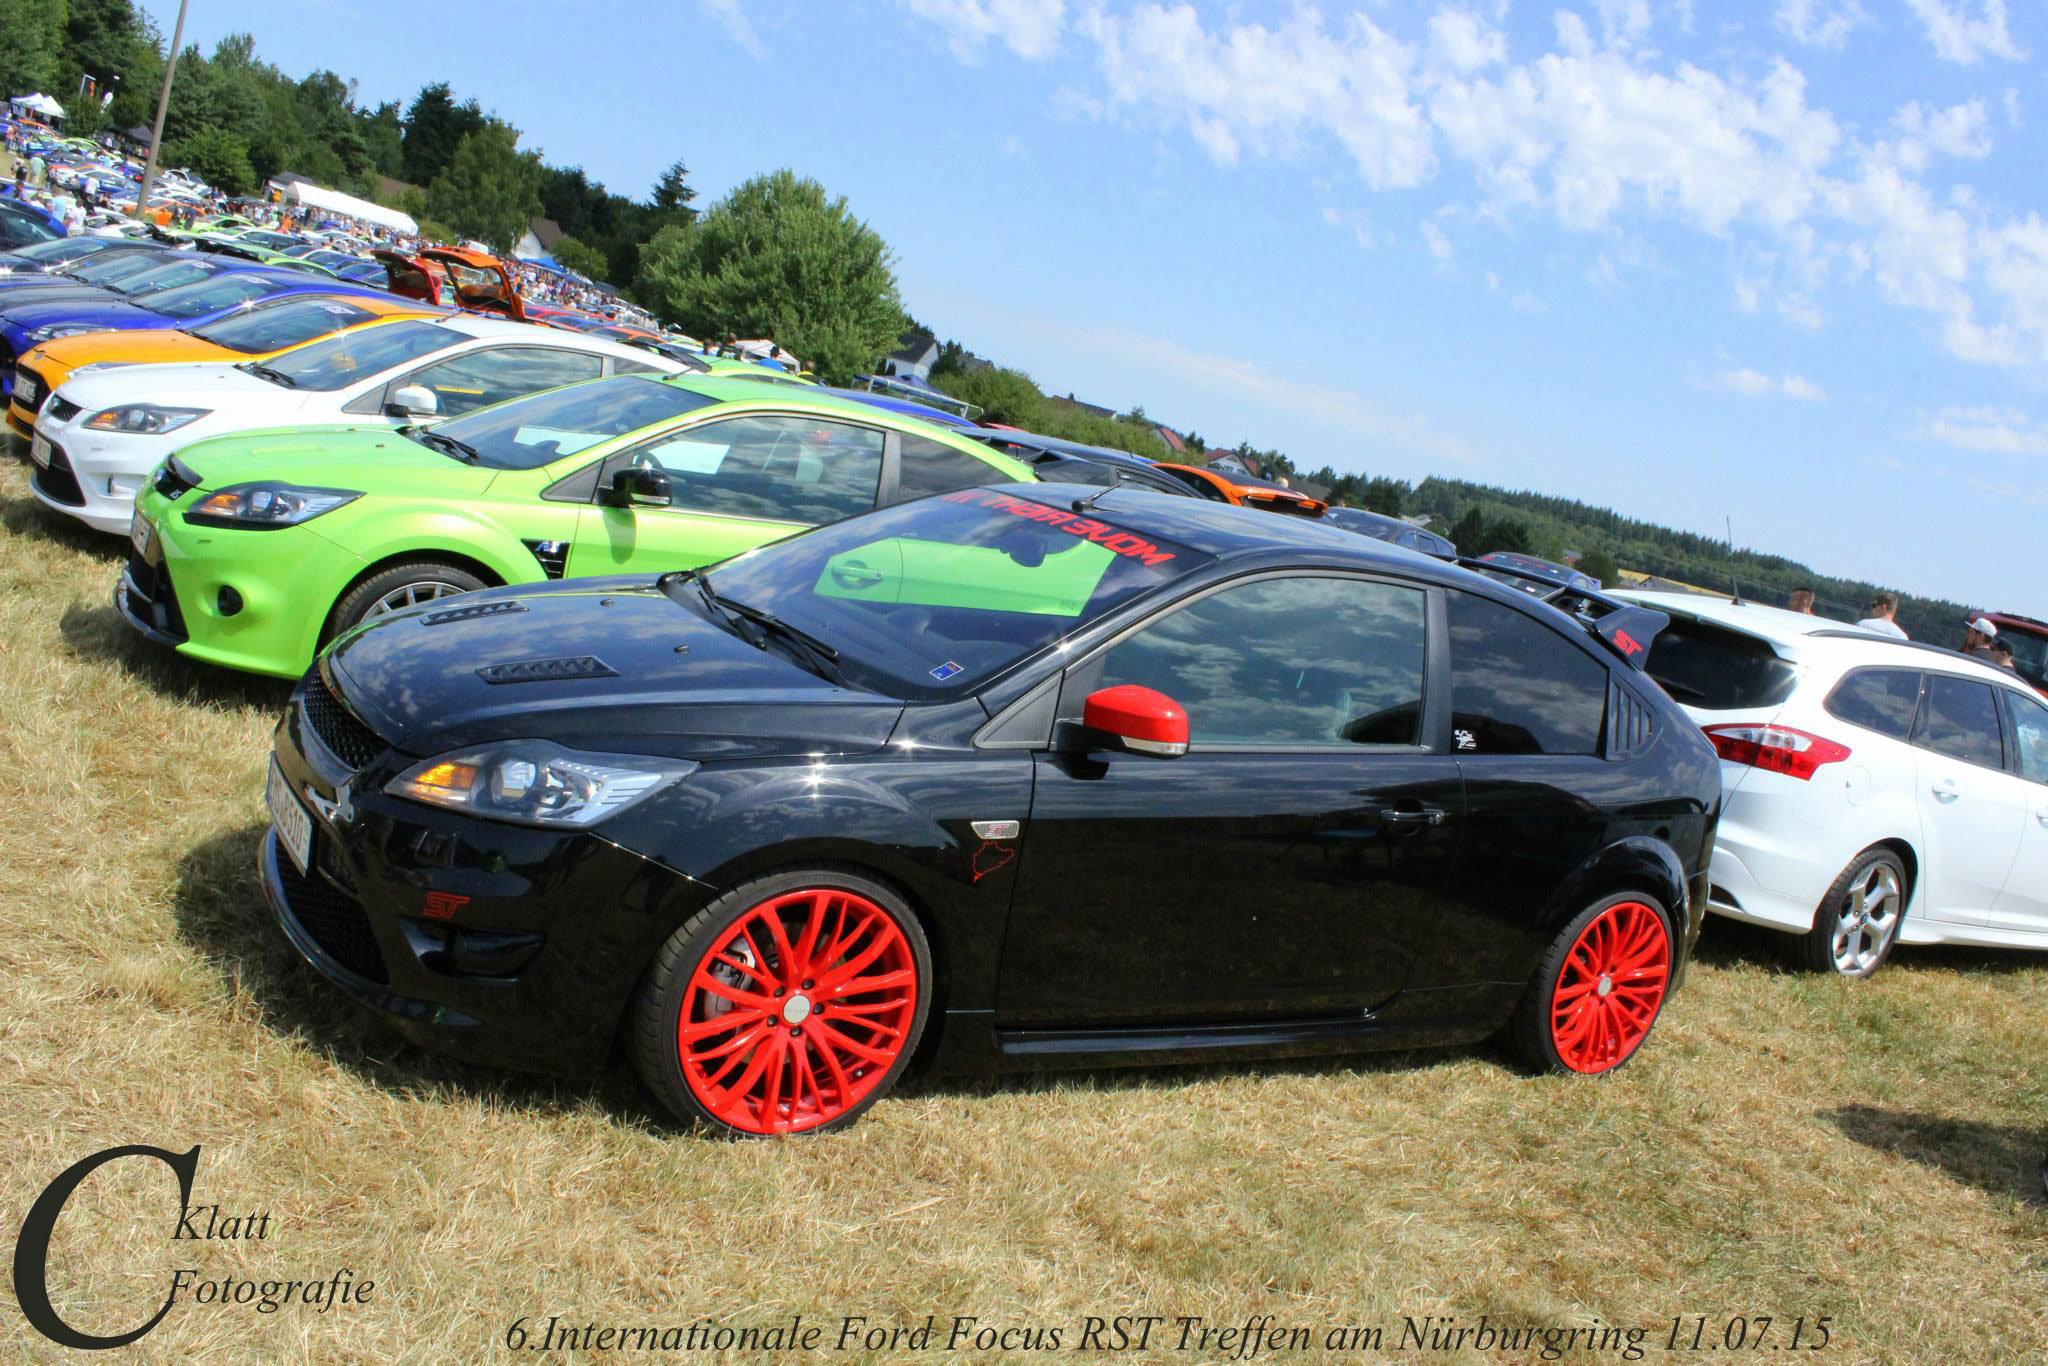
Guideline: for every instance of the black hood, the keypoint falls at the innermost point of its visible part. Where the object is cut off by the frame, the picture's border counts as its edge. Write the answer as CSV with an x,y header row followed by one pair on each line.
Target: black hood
x,y
595,664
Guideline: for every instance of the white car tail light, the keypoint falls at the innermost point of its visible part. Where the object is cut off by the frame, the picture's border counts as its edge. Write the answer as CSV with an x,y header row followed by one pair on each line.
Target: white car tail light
x,y
1775,749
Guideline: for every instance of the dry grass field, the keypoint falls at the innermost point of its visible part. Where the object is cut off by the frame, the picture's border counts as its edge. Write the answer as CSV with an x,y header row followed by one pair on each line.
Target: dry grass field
x,y
1787,1146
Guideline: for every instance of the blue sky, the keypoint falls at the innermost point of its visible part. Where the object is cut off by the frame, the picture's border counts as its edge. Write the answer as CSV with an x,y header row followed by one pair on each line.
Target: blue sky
x,y
1780,261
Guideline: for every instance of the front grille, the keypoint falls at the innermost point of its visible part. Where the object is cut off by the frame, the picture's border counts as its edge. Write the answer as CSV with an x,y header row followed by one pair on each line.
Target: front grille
x,y
150,596
57,482
60,409
334,920
336,727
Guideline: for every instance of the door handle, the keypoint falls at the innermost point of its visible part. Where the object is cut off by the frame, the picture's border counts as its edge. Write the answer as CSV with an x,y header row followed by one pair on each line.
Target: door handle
x,y
855,576
1426,815
1945,790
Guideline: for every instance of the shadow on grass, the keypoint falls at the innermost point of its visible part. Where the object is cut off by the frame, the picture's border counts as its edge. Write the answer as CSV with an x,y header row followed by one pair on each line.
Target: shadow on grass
x,y
1735,943
22,515
2004,1159
97,633
219,907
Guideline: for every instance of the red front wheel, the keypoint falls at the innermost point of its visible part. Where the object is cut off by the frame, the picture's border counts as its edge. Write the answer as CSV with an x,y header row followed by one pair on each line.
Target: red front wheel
x,y
1598,990
789,1005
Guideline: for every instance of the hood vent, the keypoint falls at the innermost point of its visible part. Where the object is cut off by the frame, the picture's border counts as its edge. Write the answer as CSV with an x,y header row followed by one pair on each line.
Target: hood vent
x,y
482,609
547,670
553,556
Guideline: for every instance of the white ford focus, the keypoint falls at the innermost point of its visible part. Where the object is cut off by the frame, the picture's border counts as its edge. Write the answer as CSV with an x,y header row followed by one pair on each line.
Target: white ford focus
x,y
101,432
1877,792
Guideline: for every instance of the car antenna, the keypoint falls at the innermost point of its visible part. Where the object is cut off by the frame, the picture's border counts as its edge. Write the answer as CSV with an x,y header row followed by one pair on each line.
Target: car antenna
x,y
1087,503
1734,584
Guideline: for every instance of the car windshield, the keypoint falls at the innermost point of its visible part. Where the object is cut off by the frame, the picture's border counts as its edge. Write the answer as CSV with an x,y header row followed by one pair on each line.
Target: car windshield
x,y
353,356
931,598
165,276
112,267
61,248
209,296
280,325
539,429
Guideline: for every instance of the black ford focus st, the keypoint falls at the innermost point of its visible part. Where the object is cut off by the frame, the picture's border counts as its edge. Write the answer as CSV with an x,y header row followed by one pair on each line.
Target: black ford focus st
x,y
1007,778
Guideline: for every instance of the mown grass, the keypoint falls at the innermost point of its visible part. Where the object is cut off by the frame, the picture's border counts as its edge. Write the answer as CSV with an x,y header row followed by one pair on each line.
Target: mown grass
x,y
1787,1145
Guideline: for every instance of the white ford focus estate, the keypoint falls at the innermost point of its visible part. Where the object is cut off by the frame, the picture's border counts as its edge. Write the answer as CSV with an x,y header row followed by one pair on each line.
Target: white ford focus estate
x,y
1878,792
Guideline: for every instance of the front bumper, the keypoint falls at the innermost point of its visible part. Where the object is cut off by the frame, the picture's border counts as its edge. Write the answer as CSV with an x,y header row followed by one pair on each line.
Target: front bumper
x,y
503,944
106,471
249,600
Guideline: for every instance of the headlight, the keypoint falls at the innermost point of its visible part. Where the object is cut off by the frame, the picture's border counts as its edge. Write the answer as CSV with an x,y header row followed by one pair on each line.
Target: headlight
x,y
265,506
55,330
143,419
536,782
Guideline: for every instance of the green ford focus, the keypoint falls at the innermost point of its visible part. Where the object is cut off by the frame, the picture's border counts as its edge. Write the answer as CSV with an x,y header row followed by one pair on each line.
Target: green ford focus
x,y
253,550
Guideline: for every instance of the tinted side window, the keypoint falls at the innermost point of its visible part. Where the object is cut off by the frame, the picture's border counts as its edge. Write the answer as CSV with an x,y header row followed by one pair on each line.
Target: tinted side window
x,y
1518,686
481,378
1882,700
787,469
929,466
1961,721
2030,726
1294,661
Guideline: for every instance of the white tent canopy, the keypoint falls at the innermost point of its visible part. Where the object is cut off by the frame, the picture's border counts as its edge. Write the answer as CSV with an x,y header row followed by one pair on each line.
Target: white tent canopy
x,y
334,201
39,103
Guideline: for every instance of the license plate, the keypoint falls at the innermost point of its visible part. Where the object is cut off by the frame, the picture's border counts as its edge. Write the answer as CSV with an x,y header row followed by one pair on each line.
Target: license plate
x,y
39,451
141,535
293,824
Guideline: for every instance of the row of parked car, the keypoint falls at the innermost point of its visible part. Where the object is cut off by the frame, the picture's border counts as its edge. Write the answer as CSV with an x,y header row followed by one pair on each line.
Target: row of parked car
x,y
779,806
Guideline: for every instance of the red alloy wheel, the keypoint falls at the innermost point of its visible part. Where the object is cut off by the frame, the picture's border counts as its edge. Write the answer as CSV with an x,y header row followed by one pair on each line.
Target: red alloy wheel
x,y
797,1011
1610,988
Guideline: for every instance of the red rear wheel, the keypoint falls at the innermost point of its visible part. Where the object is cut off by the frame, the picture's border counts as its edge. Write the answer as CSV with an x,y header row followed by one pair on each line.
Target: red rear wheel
x,y
1611,987
797,1009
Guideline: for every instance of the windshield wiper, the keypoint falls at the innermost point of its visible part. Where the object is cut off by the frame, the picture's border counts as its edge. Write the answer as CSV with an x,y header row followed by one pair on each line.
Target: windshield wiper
x,y
824,658
271,373
447,445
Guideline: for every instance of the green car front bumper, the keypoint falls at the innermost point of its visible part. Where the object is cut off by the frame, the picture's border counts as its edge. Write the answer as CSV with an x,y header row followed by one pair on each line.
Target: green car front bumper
x,y
214,593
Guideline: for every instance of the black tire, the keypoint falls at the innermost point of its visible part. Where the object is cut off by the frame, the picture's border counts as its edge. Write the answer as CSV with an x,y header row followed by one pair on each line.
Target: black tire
x,y
1858,921
665,994
428,578
1531,1033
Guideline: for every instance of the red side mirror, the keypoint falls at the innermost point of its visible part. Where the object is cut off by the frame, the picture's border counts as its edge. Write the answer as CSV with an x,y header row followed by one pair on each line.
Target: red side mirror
x,y
1146,720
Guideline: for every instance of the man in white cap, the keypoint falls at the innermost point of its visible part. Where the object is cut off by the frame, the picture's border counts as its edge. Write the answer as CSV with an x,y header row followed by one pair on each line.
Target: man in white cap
x,y
1977,640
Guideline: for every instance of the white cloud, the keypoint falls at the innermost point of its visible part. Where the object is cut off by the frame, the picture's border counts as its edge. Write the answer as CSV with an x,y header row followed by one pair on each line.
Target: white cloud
x,y
1961,130
737,26
1464,42
1755,384
1992,431
1439,245
1958,37
1029,28
1819,23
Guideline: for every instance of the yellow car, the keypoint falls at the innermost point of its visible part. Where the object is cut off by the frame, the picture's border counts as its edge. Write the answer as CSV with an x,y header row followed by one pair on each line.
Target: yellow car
x,y
258,334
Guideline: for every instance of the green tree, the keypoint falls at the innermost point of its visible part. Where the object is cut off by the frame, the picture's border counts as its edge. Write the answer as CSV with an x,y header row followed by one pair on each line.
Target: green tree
x,y
581,257
1006,396
1505,534
1601,566
32,48
777,258
672,193
435,126
1382,495
1469,530
216,156
383,133
491,190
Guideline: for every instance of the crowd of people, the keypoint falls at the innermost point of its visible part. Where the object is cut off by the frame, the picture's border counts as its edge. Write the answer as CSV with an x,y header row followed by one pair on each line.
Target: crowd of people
x,y
1980,633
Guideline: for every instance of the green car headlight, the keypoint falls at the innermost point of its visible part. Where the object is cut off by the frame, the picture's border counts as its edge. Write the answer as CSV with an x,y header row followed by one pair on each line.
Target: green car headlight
x,y
266,506
143,419
537,782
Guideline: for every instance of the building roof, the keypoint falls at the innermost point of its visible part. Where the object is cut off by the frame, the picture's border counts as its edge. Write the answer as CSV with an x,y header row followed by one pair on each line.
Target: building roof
x,y
913,344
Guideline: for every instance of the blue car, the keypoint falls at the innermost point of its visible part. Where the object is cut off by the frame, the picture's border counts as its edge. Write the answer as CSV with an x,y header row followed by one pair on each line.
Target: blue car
x,y
40,258
12,208
138,269
1393,530
222,287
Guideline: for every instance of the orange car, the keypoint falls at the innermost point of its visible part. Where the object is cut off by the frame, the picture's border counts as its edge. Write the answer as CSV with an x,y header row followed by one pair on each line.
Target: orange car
x,y
256,334
1255,493
456,277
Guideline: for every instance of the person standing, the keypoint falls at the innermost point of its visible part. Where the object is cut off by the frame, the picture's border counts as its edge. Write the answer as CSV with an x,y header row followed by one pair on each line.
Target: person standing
x,y
1978,636
1883,608
1800,600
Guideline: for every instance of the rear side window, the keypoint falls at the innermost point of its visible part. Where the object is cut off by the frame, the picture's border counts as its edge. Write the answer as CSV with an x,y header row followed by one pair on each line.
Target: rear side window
x,y
1716,669
1518,686
2030,728
1882,700
1961,721
929,467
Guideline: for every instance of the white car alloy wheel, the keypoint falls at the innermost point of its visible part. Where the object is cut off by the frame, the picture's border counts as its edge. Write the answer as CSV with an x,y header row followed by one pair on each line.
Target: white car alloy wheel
x,y
1858,922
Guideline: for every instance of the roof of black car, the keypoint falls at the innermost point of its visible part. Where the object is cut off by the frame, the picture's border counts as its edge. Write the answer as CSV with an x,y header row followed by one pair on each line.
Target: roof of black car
x,y
1220,529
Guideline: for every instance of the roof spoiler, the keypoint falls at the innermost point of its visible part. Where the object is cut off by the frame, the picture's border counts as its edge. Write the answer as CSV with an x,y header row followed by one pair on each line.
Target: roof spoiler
x,y
1626,628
